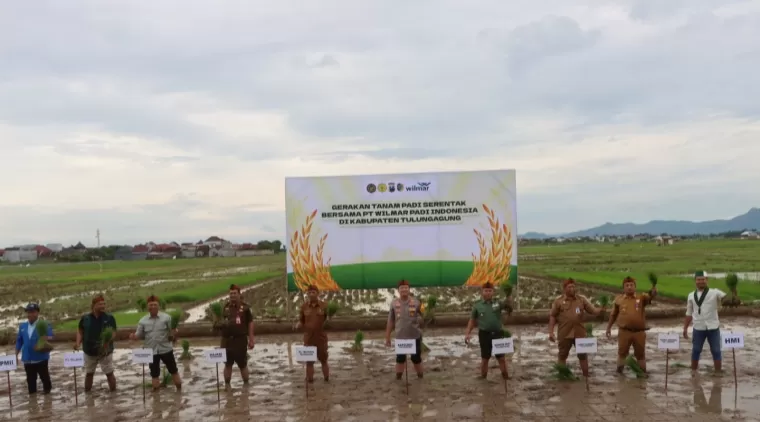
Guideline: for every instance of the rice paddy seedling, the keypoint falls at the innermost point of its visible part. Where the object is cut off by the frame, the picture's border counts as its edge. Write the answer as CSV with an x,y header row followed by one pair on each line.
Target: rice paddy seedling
x,y
506,333
635,367
563,373
186,355
176,316
652,278
106,339
589,330
42,331
216,310
357,346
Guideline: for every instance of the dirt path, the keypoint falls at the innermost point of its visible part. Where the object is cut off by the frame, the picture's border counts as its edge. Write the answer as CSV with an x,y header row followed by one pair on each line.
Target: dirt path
x,y
363,388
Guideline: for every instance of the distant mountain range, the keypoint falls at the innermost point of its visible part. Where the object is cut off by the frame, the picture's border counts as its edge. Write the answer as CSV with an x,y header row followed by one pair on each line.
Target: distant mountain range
x,y
748,221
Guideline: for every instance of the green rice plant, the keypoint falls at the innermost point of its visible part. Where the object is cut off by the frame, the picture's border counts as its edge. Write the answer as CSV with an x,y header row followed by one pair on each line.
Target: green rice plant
x,y
142,305
162,304
604,301
562,372
166,378
425,348
732,281
332,309
357,346
186,355
506,288
216,311
635,367
428,310
42,331
506,333
176,316
106,339
589,330
652,278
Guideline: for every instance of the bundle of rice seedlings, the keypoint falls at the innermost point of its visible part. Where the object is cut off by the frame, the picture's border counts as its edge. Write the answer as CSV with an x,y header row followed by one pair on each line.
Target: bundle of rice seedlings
x,y
332,309
732,281
216,310
563,373
142,305
166,378
604,303
506,333
652,278
589,330
162,304
186,355
176,316
42,331
357,346
428,309
635,367
506,288
106,339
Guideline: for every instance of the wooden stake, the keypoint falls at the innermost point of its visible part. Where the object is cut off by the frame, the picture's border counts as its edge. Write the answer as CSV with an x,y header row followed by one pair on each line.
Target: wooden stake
x,y
76,394
667,367
306,381
218,393
10,399
406,371
143,381
733,353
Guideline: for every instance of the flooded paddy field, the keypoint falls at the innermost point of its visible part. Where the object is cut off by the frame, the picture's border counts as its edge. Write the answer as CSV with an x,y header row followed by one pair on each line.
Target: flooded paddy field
x,y
363,387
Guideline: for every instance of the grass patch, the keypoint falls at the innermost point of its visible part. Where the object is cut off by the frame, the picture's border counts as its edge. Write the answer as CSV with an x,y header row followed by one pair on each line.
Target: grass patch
x,y
674,287
212,289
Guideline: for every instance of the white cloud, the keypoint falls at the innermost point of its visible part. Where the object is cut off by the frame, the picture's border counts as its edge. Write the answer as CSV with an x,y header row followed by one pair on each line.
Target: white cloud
x,y
179,120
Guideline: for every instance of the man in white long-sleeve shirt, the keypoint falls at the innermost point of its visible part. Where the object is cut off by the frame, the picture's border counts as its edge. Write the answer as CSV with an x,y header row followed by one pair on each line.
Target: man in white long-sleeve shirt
x,y
702,308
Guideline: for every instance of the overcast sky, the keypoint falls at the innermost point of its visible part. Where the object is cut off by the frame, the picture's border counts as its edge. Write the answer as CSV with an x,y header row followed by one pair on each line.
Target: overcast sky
x,y
178,120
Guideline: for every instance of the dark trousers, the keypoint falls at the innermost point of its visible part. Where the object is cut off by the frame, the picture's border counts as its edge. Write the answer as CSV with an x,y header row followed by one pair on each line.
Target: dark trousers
x,y
35,369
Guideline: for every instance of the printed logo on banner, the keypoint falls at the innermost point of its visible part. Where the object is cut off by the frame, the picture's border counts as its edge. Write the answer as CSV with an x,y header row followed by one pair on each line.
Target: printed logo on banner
x,y
371,188
8,363
216,355
382,187
306,354
391,187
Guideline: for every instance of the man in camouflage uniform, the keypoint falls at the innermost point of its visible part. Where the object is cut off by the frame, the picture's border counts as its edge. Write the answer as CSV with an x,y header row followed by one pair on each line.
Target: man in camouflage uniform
x,y
236,327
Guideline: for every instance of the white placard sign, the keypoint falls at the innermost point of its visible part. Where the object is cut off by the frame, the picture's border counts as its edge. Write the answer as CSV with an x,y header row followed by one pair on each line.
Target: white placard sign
x,y
503,346
306,354
585,345
142,356
73,360
216,355
732,340
8,363
406,347
668,341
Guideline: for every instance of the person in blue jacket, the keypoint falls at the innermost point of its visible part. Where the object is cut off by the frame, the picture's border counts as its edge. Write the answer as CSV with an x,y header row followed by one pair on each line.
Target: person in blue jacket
x,y
35,362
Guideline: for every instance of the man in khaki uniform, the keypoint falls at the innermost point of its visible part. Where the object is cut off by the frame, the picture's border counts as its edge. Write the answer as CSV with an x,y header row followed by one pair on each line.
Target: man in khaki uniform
x,y
312,319
236,328
629,313
568,311
405,316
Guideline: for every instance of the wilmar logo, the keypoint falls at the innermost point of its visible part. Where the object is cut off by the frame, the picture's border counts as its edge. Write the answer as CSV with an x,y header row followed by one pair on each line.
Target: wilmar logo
x,y
419,187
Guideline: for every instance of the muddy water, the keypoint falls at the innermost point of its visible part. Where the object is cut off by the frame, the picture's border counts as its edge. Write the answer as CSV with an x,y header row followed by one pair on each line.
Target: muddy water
x,y
363,387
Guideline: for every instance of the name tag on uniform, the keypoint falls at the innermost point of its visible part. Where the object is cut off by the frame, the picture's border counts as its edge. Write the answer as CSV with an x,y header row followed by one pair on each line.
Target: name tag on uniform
x,y
577,310
495,306
237,320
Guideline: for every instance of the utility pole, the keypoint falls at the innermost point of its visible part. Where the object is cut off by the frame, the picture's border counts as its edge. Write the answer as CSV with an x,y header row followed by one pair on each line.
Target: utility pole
x,y
97,236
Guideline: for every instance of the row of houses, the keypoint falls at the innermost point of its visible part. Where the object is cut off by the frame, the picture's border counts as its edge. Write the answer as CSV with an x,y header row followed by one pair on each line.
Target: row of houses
x,y
214,246
210,248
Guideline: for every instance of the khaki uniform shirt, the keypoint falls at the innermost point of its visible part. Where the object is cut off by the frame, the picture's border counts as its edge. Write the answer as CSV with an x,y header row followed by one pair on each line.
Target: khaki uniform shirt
x,y
313,316
569,313
630,311
407,316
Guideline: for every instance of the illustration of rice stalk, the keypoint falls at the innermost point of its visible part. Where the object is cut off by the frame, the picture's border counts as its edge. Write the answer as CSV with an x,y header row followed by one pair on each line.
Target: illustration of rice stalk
x,y
493,265
310,268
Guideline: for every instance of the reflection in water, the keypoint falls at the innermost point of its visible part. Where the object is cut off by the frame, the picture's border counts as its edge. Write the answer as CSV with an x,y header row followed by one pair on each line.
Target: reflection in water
x,y
714,405
236,405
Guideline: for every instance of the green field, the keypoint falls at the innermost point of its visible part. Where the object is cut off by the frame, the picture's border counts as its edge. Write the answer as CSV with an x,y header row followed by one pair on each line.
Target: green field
x,y
64,291
381,275
607,264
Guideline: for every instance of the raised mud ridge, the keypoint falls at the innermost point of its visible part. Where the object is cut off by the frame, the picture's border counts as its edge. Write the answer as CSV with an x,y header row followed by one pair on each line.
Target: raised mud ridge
x,y
377,323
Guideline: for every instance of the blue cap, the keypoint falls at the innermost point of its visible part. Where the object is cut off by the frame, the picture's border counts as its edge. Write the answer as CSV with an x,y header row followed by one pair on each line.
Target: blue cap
x,y
32,307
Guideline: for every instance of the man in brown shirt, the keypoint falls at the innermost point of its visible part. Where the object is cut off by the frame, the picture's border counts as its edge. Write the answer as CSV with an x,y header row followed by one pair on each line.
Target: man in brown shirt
x,y
236,328
568,311
313,317
629,313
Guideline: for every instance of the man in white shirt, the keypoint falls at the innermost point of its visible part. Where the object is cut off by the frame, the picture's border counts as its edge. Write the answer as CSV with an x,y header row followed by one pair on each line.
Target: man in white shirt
x,y
702,308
